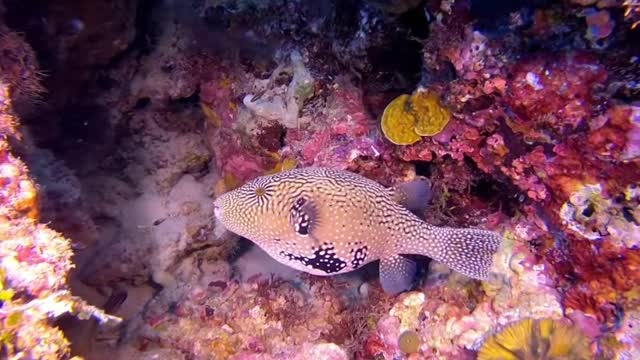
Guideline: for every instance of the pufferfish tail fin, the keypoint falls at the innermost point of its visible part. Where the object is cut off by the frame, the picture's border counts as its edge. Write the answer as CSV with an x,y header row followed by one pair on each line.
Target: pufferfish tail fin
x,y
467,251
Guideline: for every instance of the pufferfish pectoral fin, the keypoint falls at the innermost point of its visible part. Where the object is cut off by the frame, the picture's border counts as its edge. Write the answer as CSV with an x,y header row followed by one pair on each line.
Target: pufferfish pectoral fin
x,y
397,274
303,216
414,195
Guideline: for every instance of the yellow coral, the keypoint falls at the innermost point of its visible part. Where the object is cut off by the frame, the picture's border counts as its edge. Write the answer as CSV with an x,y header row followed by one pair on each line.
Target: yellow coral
x,y
228,182
225,346
409,342
283,165
398,122
536,339
431,116
407,118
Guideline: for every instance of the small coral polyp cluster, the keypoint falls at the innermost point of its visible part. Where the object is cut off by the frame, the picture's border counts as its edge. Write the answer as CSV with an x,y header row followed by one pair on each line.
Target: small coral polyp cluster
x,y
525,117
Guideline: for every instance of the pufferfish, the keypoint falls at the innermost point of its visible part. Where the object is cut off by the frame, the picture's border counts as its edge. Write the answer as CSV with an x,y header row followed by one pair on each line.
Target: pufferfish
x,y
327,221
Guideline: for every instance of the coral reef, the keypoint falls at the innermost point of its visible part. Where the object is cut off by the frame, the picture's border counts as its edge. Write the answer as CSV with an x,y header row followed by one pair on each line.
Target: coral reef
x,y
525,117
34,259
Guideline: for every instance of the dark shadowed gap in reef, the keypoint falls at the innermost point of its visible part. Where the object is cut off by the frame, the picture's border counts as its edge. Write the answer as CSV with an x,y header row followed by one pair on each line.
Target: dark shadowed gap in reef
x,y
147,31
502,196
142,103
493,17
422,267
29,18
345,18
423,168
416,21
244,245
185,103
83,124
397,62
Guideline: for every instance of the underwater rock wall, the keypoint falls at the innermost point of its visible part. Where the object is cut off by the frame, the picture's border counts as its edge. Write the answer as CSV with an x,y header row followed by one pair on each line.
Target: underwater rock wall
x,y
35,260
525,117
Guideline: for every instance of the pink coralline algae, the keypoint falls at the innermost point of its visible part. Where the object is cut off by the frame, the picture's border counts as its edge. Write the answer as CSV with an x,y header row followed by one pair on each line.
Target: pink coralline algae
x,y
325,351
237,156
343,135
216,94
555,91
631,148
339,135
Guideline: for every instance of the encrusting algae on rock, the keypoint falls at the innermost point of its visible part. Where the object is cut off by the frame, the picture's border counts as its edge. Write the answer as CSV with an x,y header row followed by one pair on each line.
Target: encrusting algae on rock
x,y
537,339
408,118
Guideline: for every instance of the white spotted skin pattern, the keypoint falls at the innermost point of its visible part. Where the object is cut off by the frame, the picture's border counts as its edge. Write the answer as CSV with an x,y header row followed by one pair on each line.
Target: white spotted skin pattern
x,y
355,217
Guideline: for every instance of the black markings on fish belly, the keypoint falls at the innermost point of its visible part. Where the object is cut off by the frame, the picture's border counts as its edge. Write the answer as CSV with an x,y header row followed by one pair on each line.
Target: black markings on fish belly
x,y
359,257
324,259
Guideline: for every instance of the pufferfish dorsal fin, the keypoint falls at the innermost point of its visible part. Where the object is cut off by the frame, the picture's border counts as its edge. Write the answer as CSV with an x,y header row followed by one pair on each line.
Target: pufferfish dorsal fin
x,y
414,195
304,216
397,274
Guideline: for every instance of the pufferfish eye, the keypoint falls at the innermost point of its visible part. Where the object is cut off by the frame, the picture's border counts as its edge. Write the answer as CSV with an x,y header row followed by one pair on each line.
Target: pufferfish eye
x,y
260,191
